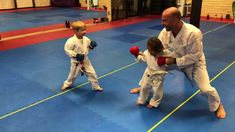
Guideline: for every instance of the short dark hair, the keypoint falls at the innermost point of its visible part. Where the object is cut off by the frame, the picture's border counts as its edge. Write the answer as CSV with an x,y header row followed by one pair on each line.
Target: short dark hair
x,y
155,45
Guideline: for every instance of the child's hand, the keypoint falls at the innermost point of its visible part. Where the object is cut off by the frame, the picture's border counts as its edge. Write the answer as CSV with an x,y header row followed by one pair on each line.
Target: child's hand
x,y
92,45
141,53
134,50
165,60
80,57
161,60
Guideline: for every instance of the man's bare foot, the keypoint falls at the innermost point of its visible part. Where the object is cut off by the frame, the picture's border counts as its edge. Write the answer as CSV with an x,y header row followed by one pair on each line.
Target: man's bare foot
x,y
135,90
220,112
150,106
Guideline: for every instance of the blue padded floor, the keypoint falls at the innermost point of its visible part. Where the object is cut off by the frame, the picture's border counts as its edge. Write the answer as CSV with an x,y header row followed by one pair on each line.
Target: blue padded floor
x,y
34,73
35,18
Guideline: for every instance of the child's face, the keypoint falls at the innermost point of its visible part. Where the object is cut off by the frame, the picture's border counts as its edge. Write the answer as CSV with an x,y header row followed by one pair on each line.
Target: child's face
x,y
80,32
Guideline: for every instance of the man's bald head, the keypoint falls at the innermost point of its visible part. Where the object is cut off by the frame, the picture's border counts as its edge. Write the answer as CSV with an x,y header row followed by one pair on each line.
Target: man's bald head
x,y
171,19
172,12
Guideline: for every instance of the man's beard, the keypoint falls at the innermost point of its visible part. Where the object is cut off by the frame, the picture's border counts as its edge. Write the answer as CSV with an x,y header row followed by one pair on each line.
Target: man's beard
x,y
168,28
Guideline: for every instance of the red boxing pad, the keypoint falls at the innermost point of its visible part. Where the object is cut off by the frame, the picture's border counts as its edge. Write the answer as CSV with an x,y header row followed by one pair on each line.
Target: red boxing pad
x,y
161,60
135,50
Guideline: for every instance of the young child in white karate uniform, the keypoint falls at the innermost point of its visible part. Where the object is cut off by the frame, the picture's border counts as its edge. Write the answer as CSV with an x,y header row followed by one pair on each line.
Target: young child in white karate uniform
x,y
77,48
154,77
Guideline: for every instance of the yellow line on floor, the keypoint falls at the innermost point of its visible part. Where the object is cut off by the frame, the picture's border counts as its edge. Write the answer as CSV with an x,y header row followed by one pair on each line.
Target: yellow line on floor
x,y
34,33
61,93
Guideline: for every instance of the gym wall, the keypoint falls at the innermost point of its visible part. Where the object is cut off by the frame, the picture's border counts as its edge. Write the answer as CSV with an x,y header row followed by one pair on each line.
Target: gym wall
x,y
101,3
104,3
216,8
24,3
42,3
7,4
10,4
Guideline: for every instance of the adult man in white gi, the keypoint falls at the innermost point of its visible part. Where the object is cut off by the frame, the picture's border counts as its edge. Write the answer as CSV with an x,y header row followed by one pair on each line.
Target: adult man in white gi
x,y
185,50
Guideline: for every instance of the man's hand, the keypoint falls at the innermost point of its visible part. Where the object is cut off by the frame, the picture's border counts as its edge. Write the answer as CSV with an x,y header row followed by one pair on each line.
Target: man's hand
x,y
165,60
170,60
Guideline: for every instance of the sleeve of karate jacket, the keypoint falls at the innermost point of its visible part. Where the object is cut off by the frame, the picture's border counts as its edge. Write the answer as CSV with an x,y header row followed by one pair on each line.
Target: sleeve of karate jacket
x,y
69,48
193,50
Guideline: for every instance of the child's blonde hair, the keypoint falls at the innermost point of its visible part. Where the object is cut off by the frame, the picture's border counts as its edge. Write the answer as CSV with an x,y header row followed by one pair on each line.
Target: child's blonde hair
x,y
78,25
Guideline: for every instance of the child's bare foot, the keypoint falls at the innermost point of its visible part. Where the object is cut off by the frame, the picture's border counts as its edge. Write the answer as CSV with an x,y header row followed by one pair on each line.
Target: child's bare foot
x,y
150,106
135,90
98,89
220,112
64,88
139,103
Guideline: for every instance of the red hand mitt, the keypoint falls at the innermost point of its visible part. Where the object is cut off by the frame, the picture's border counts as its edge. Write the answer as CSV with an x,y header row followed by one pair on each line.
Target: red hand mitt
x,y
161,60
135,50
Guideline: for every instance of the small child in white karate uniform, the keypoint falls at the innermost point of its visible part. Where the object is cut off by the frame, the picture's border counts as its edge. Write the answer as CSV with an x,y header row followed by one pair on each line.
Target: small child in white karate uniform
x,y
77,48
154,77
